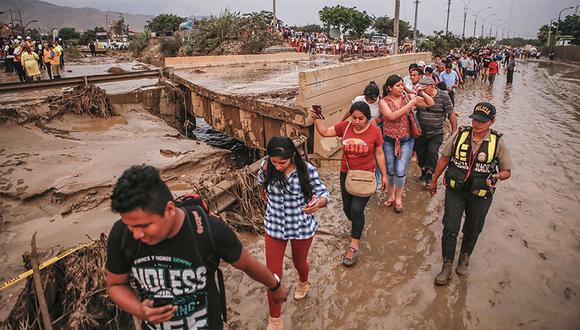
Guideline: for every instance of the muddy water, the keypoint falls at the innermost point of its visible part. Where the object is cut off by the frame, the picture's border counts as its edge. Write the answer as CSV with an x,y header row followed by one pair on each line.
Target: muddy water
x,y
241,156
525,271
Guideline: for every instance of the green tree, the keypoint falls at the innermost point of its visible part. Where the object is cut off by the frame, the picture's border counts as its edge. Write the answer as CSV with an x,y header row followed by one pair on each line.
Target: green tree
x,y
90,35
337,16
385,24
570,26
359,22
165,22
346,19
68,33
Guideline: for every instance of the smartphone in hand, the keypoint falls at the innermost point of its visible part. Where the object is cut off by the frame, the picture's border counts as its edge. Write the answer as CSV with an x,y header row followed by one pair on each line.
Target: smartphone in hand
x,y
318,111
159,302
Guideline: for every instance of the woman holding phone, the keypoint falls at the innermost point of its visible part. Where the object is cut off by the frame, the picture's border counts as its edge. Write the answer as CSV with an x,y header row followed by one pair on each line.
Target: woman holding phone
x,y
396,106
361,145
294,193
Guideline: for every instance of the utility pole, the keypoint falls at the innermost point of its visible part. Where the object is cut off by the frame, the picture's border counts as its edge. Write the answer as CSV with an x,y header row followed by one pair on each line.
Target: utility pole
x,y
274,14
465,9
415,26
490,32
11,18
475,25
396,25
482,24
510,19
448,11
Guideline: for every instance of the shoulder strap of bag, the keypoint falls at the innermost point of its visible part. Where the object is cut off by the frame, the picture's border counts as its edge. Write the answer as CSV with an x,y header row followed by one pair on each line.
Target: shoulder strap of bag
x,y
212,260
342,140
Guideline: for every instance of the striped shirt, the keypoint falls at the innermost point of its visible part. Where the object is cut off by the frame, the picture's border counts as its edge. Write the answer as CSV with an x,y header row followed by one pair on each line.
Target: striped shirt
x,y
432,119
285,218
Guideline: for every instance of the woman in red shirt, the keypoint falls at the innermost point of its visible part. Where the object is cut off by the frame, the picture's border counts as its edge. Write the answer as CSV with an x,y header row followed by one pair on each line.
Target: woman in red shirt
x,y
396,107
361,145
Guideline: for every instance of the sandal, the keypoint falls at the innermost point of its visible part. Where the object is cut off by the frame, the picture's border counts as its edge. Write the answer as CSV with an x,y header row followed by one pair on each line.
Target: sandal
x,y
399,208
389,203
350,261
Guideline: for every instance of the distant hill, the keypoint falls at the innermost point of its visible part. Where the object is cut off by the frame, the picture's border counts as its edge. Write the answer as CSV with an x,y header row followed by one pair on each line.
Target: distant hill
x,y
51,16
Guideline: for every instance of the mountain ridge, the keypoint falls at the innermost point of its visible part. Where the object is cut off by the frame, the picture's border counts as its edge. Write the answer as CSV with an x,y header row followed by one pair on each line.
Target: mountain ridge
x,y
50,16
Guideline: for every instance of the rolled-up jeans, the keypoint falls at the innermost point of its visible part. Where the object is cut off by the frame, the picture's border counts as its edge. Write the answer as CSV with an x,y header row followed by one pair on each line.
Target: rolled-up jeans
x,y
397,166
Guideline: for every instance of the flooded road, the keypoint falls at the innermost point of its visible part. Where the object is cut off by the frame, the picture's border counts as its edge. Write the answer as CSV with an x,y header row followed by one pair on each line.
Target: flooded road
x,y
525,270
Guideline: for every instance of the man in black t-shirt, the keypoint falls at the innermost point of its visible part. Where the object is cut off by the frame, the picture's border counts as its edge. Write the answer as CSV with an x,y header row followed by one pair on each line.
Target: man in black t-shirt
x,y
166,249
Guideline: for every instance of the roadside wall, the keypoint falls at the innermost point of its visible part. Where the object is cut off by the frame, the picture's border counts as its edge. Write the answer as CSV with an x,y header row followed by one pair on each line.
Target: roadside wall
x,y
334,88
185,62
570,52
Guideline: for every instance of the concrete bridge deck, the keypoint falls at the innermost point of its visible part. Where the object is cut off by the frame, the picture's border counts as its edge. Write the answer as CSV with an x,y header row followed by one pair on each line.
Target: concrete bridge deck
x,y
256,97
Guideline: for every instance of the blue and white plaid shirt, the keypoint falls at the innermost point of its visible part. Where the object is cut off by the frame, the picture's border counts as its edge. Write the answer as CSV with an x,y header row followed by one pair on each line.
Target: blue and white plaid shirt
x,y
285,218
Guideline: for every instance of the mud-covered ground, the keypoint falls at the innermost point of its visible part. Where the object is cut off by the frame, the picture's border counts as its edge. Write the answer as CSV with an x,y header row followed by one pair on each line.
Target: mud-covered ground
x,y
56,179
525,270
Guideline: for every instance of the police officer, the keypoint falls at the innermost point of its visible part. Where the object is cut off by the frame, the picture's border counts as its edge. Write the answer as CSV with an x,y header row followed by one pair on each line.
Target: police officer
x,y
474,159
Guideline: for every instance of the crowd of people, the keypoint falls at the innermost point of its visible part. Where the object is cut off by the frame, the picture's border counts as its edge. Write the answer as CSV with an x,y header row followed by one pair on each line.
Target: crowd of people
x,y
172,248
28,58
320,43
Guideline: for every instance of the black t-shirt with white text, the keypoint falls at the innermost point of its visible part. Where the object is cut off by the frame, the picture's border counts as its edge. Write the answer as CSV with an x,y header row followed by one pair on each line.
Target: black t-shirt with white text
x,y
172,269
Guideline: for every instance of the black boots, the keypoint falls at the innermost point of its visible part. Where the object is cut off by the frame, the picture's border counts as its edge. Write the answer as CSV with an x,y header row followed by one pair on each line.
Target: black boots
x,y
445,275
462,264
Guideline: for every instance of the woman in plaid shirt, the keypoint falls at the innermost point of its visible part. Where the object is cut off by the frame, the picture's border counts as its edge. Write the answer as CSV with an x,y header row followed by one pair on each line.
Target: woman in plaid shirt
x,y
295,192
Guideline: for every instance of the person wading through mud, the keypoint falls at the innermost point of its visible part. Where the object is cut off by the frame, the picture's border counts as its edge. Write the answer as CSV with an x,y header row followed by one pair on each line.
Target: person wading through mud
x,y
361,146
173,254
431,120
396,107
371,96
474,159
294,192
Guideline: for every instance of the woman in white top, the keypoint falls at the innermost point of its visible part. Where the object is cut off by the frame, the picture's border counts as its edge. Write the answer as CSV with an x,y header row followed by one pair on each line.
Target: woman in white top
x,y
371,97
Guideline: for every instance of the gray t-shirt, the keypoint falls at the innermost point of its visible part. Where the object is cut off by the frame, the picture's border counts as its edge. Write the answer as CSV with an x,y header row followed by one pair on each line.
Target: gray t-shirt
x,y
432,119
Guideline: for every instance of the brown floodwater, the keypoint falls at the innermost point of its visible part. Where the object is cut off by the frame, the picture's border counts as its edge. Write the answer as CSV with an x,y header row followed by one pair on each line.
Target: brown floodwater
x,y
525,270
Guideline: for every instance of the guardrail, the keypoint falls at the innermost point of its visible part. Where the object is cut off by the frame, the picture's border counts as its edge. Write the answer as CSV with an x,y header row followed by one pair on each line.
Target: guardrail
x,y
71,81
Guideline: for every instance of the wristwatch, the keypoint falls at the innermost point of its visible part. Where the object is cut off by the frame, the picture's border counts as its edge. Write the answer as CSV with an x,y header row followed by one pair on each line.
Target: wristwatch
x,y
278,283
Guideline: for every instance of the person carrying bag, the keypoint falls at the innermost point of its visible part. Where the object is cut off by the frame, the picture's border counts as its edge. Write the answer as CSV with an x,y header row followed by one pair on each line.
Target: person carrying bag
x,y
361,145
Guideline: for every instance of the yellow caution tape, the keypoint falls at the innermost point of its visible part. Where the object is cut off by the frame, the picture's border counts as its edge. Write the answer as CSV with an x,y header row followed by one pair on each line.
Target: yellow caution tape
x,y
13,280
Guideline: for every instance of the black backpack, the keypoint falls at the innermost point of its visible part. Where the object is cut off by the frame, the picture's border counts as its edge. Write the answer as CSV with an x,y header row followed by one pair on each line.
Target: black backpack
x,y
192,205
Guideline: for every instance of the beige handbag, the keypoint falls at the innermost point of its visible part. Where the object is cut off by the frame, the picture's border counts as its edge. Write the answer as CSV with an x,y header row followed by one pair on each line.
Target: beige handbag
x,y
359,183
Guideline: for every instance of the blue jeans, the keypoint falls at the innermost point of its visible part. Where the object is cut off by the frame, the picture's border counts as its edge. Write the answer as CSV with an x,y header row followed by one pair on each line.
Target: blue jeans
x,y
397,167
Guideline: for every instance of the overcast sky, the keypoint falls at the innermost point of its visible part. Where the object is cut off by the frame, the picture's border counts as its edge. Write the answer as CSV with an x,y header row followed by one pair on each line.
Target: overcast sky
x,y
525,15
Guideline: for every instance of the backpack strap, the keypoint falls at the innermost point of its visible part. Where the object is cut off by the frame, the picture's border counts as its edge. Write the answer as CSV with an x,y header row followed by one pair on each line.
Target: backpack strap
x,y
129,253
212,260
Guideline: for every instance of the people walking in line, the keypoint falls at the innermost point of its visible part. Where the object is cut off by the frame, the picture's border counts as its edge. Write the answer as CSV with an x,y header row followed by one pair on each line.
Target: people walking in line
x,y
294,193
431,120
361,146
396,107
173,251
473,159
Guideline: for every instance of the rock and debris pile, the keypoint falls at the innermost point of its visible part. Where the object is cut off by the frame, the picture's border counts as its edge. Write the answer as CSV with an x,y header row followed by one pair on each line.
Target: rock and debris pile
x,y
75,293
82,100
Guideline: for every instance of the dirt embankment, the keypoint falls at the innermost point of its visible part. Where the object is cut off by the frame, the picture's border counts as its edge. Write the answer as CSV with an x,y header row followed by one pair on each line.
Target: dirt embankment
x,y
56,177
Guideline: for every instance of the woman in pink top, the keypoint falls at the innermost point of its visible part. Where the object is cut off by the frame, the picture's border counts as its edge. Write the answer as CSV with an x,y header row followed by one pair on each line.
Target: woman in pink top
x,y
396,107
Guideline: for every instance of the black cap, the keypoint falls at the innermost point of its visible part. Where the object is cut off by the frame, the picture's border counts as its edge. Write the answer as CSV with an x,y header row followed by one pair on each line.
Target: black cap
x,y
372,91
483,112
